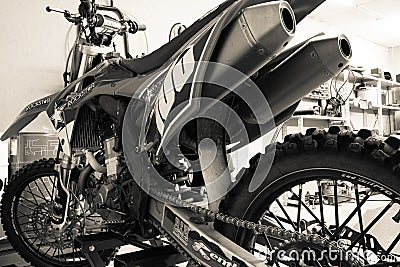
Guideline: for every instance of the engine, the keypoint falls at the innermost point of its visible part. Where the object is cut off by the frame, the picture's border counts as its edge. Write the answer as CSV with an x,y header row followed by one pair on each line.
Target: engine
x,y
105,181
108,188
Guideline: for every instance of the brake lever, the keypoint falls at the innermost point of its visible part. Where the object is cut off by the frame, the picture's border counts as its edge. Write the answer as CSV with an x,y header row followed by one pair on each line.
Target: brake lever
x,y
73,18
67,15
58,10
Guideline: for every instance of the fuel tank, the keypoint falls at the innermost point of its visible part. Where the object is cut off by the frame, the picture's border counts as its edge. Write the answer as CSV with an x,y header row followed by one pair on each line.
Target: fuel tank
x,y
305,69
257,35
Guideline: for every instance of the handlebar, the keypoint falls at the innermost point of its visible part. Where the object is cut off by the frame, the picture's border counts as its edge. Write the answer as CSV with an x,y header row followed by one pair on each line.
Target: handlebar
x,y
112,24
89,10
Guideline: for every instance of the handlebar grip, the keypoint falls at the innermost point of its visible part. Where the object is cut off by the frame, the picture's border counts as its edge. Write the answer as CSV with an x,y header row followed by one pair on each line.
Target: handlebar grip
x,y
108,23
141,27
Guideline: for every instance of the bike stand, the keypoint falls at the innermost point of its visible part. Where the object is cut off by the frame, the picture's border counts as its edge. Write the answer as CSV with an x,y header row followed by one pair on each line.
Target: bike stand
x,y
149,256
93,244
155,257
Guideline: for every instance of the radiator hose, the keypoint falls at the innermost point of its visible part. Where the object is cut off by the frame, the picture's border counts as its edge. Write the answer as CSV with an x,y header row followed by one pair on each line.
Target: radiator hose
x,y
94,164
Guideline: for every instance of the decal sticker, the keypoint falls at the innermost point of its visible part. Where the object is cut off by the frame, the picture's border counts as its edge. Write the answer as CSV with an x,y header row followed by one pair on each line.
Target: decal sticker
x,y
178,74
181,231
74,97
371,184
210,255
196,244
38,103
57,116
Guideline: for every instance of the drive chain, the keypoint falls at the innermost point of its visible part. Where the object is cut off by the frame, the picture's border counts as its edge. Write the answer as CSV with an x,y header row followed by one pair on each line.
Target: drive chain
x,y
291,238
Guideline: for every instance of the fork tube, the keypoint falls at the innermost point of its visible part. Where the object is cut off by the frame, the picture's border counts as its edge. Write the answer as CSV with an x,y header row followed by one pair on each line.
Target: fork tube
x,y
62,197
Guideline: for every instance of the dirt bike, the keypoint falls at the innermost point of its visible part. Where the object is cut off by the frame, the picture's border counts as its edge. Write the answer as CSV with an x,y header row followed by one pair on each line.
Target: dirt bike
x,y
146,146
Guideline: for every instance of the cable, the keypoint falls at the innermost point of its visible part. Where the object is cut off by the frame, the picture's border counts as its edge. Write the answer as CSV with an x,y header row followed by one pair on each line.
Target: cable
x,y
67,38
376,119
125,13
70,53
337,98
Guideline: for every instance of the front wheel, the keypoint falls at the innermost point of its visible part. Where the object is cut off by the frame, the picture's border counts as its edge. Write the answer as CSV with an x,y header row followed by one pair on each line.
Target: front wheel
x,y
340,185
26,214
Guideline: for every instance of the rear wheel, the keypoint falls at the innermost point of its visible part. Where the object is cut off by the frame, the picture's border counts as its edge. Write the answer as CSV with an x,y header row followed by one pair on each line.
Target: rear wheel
x,y
340,185
26,211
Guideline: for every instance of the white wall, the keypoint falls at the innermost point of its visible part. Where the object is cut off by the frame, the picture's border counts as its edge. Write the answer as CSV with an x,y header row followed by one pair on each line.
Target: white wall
x,y
33,44
395,59
32,55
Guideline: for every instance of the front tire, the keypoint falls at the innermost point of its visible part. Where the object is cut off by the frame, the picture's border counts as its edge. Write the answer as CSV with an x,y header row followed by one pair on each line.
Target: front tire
x,y
358,159
26,208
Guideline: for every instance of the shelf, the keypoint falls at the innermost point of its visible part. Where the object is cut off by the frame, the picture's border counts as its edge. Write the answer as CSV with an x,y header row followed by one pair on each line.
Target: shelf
x,y
391,108
360,78
315,98
376,107
318,117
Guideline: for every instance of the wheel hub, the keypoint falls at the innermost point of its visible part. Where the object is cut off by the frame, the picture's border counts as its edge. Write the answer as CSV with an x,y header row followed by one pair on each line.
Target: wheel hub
x,y
50,236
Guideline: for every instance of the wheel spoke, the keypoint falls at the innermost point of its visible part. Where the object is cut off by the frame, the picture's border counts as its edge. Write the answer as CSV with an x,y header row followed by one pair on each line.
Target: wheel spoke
x,y
63,255
393,245
286,215
279,218
47,251
33,195
25,223
276,219
377,218
26,206
33,242
54,188
313,215
338,230
335,192
58,254
45,186
299,206
360,218
43,196
321,208
25,199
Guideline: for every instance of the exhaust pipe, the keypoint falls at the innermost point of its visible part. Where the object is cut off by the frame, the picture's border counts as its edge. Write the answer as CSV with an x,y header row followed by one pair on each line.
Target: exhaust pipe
x,y
310,66
259,34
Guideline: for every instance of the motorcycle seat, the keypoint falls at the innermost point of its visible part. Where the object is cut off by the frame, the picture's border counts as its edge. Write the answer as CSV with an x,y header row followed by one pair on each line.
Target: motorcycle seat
x,y
157,58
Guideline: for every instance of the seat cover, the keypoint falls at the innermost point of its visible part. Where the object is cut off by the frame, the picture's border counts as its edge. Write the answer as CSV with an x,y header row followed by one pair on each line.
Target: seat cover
x,y
160,56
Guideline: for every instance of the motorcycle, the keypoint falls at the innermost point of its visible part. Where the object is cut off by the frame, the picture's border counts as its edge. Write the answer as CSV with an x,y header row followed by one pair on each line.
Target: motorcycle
x,y
146,148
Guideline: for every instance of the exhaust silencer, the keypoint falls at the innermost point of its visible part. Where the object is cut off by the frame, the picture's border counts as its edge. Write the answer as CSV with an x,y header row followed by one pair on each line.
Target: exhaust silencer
x,y
310,66
257,35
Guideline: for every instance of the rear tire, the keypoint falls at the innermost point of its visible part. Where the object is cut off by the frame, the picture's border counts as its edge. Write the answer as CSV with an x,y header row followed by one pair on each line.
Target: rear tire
x,y
358,158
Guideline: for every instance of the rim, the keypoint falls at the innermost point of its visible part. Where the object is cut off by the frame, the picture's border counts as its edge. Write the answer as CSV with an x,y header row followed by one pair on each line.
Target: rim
x,y
336,207
32,209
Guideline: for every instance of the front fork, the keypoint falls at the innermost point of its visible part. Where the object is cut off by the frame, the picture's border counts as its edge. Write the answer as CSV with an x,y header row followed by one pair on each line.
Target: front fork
x,y
62,195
